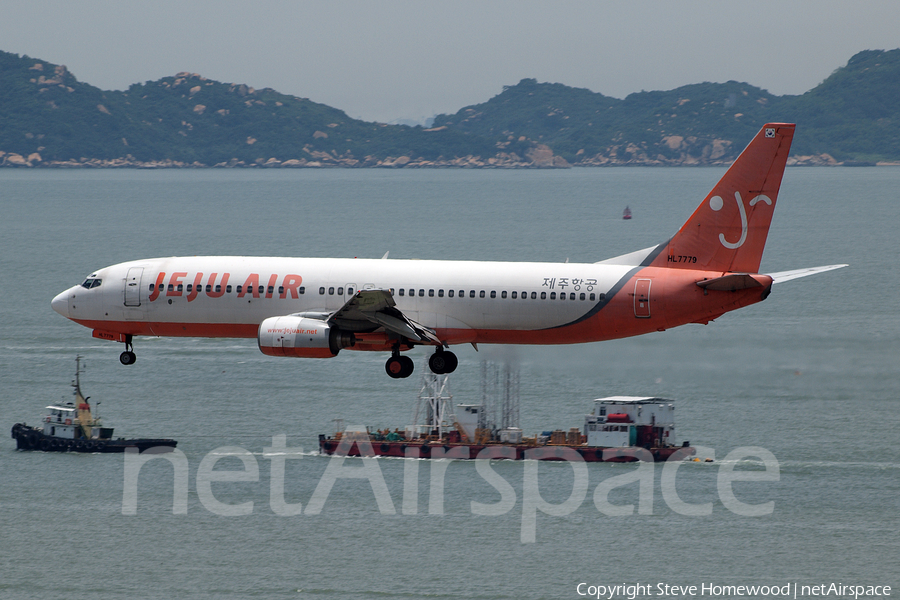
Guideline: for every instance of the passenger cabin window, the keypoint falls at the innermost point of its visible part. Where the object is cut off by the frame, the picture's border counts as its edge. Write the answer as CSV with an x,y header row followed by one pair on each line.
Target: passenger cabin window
x,y
450,293
543,295
401,291
321,291
481,294
472,293
421,293
440,293
431,293
340,291
239,288
302,289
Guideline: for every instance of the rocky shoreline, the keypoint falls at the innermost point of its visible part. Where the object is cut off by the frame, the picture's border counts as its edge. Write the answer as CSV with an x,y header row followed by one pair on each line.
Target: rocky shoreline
x,y
541,158
317,160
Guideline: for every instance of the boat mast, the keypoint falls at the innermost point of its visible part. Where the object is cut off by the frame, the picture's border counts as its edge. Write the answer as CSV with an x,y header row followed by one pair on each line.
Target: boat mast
x,y
79,397
83,408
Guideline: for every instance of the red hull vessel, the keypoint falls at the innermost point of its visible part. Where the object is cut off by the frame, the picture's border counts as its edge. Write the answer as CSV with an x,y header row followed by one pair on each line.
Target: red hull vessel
x,y
460,450
620,429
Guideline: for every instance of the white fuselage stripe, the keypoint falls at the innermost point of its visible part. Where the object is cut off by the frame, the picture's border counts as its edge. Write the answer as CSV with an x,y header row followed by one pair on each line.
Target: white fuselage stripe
x,y
427,307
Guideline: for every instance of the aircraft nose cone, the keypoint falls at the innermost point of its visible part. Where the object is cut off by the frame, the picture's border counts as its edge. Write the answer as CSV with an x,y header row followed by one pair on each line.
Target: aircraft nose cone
x,y
61,304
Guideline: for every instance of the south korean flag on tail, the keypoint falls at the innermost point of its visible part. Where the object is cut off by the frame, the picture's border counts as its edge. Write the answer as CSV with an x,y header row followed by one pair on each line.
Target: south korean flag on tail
x,y
770,132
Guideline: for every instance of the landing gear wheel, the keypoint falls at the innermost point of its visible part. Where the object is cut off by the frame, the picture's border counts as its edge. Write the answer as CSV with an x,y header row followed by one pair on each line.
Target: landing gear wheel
x,y
128,357
399,367
442,362
451,360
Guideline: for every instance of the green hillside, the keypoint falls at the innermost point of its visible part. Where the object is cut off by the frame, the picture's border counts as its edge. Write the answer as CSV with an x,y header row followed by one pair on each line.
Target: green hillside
x,y
695,123
854,115
189,119
48,117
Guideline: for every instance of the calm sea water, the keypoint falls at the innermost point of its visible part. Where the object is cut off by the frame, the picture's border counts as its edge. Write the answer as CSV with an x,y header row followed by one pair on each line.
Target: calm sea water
x,y
811,376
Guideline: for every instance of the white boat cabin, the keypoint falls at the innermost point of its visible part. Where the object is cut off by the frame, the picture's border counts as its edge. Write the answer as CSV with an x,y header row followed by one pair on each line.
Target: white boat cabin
x,y
621,421
61,421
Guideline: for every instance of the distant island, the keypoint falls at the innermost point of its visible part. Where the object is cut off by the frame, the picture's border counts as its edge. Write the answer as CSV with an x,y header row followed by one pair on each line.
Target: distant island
x,y
50,119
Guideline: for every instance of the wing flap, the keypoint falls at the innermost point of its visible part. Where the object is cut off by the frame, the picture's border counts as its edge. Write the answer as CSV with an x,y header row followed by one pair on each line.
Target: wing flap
x,y
378,307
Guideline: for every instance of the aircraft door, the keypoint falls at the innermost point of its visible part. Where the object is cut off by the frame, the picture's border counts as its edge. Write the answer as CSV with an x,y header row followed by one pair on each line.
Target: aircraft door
x,y
642,298
133,286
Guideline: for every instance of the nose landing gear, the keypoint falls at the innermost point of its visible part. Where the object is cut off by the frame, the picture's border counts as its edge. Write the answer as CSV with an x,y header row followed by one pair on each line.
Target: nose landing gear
x,y
128,357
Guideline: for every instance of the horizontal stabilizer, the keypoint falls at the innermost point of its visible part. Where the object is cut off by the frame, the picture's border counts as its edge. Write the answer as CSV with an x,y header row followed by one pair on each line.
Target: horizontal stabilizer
x,y
733,282
797,273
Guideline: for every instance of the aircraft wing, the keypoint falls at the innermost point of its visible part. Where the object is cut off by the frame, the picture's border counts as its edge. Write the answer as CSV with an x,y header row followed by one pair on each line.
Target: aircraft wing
x,y
378,307
797,273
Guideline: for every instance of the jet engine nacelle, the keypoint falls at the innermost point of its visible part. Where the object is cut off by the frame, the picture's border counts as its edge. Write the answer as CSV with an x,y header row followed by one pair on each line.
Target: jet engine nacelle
x,y
301,337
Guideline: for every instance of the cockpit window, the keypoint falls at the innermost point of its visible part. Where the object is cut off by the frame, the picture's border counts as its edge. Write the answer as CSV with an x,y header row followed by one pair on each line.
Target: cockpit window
x,y
91,282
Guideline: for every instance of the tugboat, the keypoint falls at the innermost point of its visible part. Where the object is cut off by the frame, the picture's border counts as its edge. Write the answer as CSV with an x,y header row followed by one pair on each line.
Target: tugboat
x,y
71,427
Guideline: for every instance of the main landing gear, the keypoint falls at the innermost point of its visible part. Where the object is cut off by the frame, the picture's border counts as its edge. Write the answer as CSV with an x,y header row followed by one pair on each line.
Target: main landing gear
x,y
128,357
400,367
442,361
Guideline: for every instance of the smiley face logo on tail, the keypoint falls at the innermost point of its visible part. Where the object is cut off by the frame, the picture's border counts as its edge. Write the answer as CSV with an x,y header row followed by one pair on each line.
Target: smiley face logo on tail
x,y
716,203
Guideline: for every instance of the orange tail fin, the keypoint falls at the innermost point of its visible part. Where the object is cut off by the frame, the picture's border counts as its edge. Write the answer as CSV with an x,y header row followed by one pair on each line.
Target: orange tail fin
x,y
728,230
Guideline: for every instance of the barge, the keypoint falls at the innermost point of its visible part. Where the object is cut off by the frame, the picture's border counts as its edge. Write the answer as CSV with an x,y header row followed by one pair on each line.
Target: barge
x,y
619,429
72,427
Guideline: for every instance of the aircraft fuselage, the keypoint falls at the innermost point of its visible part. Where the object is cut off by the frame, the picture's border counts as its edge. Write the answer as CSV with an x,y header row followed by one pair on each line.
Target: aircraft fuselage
x,y
462,301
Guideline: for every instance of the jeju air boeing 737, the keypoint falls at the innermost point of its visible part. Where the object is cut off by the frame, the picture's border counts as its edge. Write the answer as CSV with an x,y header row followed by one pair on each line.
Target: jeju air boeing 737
x,y
316,307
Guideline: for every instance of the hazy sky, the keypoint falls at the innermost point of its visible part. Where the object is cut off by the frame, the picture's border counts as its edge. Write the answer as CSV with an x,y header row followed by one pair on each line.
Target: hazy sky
x,y
391,59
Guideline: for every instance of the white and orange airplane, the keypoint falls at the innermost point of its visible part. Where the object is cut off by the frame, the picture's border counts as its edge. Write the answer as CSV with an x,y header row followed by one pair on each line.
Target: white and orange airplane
x,y
316,307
